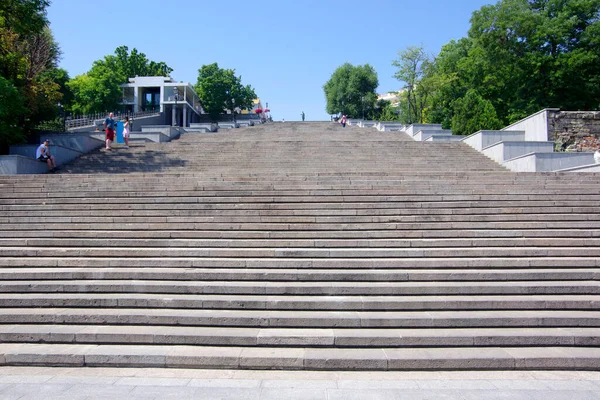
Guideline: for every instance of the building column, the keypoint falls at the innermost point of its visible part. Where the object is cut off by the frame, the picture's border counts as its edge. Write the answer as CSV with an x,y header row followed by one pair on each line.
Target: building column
x,y
136,99
162,94
184,115
173,115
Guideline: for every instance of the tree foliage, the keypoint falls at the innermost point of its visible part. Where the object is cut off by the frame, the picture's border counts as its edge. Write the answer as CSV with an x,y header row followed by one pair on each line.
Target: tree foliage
x,y
134,63
23,17
11,108
98,89
520,56
28,53
473,113
220,89
351,90
415,70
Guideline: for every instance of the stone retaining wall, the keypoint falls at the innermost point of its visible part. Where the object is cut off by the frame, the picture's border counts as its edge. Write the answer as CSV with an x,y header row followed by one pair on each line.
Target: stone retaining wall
x,y
574,130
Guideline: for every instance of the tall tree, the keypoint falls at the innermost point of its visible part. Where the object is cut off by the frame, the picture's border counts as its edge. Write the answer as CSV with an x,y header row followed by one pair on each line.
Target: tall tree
x,y
11,108
351,90
23,17
536,54
27,52
473,113
220,89
98,89
520,56
421,81
134,63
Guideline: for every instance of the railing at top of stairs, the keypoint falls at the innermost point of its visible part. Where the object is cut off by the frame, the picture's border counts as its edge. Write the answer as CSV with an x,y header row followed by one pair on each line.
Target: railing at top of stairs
x,y
90,119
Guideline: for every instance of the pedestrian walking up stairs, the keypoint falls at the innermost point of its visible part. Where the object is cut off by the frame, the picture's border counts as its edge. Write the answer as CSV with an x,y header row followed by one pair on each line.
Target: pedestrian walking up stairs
x,y
300,246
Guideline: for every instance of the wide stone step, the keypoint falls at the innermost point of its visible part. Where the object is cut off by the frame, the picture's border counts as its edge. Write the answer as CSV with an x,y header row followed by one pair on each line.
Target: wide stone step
x,y
304,288
305,302
300,243
312,253
356,190
382,359
177,198
287,274
474,182
8,222
305,263
415,182
302,319
298,337
183,211
357,208
313,235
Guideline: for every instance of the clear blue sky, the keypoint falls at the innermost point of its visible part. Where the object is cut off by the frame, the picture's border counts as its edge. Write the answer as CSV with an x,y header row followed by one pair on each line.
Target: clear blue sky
x,y
285,49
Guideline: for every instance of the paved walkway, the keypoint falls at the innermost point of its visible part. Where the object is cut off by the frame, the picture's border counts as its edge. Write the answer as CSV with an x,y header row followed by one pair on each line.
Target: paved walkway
x,y
113,383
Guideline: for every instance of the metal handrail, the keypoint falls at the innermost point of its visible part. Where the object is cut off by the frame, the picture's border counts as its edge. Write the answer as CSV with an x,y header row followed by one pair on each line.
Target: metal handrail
x,y
90,119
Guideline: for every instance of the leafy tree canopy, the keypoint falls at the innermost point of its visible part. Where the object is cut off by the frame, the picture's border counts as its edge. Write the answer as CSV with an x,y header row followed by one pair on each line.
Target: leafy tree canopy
x,y
220,89
23,17
351,90
98,90
28,52
519,57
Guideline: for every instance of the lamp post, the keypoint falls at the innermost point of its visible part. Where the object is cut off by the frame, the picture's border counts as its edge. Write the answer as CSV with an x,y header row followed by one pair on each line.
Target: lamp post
x,y
175,96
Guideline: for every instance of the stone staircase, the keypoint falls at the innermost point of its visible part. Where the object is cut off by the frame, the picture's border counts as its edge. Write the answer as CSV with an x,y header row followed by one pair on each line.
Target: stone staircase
x,y
300,246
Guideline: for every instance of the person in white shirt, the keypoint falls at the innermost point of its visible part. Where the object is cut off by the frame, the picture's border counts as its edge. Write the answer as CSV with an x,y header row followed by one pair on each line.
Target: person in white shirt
x,y
43,154
126,130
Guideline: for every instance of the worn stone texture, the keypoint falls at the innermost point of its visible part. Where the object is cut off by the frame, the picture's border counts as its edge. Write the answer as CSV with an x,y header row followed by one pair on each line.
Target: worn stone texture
x,y
298,246
575,130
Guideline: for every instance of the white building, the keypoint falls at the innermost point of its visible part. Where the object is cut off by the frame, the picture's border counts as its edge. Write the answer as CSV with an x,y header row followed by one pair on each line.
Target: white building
x,y
178,101
392,97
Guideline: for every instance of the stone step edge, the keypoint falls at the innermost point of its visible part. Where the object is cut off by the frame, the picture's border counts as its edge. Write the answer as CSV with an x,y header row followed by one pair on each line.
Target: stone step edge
x,y
299,337
381,359
304,264
314,275
302,319
304,303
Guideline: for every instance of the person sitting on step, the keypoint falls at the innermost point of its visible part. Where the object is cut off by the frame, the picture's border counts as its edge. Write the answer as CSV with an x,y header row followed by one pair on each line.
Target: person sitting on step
x,y
43,154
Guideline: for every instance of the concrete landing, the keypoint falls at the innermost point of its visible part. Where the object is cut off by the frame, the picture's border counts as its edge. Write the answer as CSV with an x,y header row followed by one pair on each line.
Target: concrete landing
x,y
26,383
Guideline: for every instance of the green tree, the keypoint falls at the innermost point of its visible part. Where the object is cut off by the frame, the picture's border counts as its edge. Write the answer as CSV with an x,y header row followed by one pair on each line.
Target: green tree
x,y
520,56
351,90
23,17
27,52
220,89
11,108
451,86
134,63
60,76
98,89
388,113
528,55
418,71
473,113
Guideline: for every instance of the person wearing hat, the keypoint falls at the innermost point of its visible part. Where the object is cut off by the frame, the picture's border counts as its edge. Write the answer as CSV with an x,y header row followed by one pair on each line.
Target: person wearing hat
x,y
43,154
